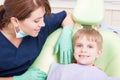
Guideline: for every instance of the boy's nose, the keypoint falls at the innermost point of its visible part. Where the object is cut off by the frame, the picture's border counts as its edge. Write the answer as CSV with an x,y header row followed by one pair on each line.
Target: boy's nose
x,y
83,50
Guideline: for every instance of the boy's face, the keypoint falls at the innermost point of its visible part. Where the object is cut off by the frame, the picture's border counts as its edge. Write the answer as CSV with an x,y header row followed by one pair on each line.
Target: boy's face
x,y
86,51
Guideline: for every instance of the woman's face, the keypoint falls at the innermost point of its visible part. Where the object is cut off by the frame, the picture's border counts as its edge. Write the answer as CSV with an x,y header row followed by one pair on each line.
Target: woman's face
x,y
33,24
86,51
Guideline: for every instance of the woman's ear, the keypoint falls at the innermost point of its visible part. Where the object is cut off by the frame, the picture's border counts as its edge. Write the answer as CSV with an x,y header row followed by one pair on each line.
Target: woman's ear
x,y
14,21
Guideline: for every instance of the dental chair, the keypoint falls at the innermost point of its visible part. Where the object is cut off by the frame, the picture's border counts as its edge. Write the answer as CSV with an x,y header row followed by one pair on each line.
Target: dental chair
x,y
90,13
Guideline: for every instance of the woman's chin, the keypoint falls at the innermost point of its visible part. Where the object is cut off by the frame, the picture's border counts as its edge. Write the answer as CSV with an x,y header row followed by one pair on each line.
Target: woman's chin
x,y
35,35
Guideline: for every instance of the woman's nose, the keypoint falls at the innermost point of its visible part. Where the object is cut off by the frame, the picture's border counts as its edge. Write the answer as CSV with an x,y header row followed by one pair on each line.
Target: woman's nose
x,y
42,23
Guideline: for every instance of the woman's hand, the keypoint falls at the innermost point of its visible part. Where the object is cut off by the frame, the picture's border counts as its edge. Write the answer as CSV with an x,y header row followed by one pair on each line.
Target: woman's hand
x,y
64,46
32,74
64,43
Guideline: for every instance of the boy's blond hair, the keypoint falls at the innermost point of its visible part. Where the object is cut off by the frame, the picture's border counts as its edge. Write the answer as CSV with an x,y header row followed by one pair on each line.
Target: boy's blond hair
x,y
91,34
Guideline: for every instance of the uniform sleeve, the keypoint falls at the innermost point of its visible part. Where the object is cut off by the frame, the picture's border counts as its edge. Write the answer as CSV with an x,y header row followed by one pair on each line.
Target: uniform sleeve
x,y
54,21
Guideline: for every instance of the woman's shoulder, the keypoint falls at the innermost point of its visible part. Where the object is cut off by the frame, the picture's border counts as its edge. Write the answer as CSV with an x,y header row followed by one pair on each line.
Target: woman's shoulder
x,y
56,15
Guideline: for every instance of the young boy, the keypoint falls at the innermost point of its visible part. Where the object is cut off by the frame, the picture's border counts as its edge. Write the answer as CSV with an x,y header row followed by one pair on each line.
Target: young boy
x,y
87,44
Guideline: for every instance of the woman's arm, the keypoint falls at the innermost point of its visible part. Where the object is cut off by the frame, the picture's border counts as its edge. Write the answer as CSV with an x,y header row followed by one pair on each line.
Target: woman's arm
x,y
68,21
30,74
64,43
6,78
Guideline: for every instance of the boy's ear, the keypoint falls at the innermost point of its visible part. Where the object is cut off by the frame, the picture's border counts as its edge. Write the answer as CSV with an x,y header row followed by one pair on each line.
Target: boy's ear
x,y
14,22
99,53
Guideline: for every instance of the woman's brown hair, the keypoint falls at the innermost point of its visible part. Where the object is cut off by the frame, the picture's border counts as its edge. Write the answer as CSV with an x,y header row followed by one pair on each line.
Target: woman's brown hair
x,y
20,9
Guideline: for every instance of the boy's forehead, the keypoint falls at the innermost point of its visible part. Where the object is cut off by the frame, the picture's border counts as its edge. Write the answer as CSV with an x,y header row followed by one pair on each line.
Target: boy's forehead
x,y
88,38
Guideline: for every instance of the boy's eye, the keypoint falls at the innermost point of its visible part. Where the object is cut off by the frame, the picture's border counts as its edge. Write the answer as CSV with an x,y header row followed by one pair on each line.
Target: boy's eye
x,y
90,46
79,45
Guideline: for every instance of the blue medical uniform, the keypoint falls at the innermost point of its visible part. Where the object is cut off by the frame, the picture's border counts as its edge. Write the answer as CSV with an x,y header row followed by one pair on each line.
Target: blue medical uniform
x,y
15,61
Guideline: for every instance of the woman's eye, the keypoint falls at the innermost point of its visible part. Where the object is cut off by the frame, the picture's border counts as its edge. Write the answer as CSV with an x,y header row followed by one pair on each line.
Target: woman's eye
x,y
36,21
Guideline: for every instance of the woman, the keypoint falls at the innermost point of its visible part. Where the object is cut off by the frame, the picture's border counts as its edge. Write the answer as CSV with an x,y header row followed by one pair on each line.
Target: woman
x,y
24,27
